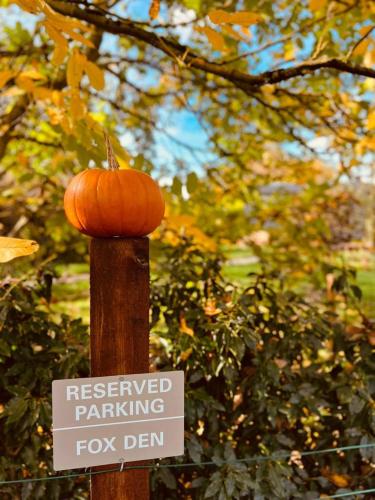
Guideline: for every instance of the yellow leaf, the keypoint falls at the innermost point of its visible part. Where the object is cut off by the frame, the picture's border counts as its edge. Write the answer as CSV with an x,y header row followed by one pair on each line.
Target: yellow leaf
x,y
66,125
219,16
186,354
10,248
33,74
339,480
55,115
216,39
80,38
59,54
28,5
58,98
317,4
77,106
75,68
289,51
245,18
154,9
5,76
371,120
42,93
361,47
232,33
61,22
369,59
210,308
95,74
61,45
184,328
365,30
25,83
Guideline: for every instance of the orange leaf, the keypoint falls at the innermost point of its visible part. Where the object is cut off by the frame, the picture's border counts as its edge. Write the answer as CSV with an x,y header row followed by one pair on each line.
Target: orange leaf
x,y
186,354
371,120
216,39
5,76
219,16
75,68
210,308
95,74
245,18
339,480
77,106
317,4
184,328
61,44
154,9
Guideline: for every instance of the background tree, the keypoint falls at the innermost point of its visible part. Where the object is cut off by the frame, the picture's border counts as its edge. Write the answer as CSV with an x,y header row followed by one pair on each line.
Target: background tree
x,y
256,118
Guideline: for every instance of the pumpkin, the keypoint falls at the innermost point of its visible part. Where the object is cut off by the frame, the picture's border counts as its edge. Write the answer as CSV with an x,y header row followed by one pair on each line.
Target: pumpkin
x,y
107,203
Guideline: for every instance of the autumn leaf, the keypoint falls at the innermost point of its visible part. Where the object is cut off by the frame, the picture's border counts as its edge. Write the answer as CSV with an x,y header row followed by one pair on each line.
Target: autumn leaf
x,y
216,39
361,48
5,76
184,328
219,16
32,74
154,9
339,480
61,44
10,248
25,83
316,5
80,38
77,106
245,18
28,5
75,68
95,74
210,308
371,120
232,33
186,354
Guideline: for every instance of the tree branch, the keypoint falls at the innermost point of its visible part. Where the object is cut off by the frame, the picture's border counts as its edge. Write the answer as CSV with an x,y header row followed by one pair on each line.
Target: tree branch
x,y
186,58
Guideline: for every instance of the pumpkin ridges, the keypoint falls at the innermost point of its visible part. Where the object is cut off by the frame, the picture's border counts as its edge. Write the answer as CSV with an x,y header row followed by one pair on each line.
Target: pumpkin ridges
x,y
69,204
156,208
132,201
154,218
78,181
101,187
144,203
77,199
109,197
126,203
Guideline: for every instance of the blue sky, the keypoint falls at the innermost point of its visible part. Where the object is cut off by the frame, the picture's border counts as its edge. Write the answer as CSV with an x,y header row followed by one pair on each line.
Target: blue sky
x,y
180,124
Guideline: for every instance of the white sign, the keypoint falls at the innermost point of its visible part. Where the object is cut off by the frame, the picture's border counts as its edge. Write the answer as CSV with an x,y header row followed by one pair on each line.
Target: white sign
x,y
107,420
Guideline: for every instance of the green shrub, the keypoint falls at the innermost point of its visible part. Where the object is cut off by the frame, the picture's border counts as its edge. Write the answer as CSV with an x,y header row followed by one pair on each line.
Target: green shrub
x,y
265,372
35,349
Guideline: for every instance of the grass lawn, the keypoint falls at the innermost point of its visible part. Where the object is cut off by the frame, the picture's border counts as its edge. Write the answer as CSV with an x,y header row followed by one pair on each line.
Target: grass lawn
x,y
71,291
238,273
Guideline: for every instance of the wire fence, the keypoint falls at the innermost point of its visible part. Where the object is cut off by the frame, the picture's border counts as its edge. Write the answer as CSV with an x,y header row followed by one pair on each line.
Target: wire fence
x,y
219,462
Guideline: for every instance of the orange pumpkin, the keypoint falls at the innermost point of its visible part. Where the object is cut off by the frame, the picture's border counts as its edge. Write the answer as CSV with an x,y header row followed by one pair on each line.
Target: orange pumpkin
x,y
105,203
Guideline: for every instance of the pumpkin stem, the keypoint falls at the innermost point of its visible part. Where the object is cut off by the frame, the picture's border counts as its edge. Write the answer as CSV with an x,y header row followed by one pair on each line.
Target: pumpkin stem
x,y
111,158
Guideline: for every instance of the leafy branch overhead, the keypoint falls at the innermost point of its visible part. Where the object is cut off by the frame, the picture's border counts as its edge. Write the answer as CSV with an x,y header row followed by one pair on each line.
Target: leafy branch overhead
x,y
298,69
187,57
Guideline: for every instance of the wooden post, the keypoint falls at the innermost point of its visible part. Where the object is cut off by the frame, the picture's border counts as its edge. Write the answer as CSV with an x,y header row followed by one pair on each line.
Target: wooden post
x,y
119,336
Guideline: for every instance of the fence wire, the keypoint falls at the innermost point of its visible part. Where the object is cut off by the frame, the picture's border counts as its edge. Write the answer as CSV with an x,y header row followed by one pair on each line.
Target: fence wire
x,y
219,462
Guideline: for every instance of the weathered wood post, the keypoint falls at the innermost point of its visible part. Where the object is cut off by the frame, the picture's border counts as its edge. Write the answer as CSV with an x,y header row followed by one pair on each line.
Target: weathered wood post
x,y
119,336
118,208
